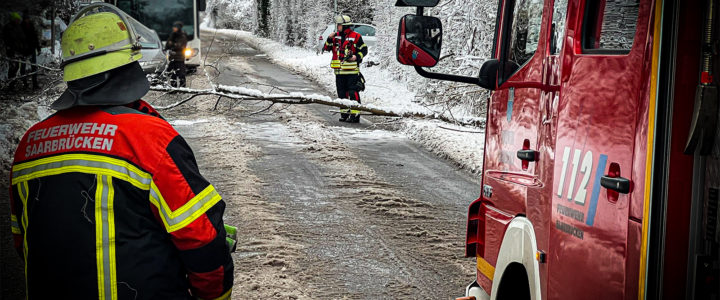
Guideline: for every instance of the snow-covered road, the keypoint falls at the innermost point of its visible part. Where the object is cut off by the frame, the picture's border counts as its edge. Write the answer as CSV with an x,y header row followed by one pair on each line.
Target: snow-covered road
x,y
327,209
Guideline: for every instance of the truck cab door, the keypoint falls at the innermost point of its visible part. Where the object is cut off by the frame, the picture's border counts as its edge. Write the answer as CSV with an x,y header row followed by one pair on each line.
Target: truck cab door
x,y
514,107
510,181
603,81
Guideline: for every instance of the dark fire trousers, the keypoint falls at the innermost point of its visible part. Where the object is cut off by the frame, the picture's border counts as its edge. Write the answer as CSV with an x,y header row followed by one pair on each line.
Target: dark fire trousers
x,y
347,86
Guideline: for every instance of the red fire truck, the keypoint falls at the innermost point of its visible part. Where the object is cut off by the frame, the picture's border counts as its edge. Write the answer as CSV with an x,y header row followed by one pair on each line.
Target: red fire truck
x,y
602,157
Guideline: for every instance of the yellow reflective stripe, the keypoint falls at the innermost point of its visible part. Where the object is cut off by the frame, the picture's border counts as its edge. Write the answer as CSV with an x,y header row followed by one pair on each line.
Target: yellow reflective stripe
x,y
347,72
349,66
224,296
186,214
485,268
14,225
335,64
23,191
362,46
83,163
98,240
105,238
649,154
361,55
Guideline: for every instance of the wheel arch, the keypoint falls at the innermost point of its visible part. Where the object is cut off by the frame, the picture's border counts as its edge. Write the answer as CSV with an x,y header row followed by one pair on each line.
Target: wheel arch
x,y
518,248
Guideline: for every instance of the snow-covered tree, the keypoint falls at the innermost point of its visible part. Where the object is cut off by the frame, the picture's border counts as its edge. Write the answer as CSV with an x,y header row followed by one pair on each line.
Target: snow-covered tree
x,y
468,26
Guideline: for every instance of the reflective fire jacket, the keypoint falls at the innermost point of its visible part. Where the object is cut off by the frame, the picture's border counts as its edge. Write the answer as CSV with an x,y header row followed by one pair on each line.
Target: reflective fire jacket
x,y
108,203
343,46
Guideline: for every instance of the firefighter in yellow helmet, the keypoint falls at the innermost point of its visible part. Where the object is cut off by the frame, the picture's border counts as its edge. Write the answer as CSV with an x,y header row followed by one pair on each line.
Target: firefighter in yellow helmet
x,y
107,201
348,51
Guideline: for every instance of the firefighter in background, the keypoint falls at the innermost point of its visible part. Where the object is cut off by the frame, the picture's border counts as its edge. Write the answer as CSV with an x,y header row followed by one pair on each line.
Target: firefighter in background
x,y
176,44
107,201
15,43
32,48
348,51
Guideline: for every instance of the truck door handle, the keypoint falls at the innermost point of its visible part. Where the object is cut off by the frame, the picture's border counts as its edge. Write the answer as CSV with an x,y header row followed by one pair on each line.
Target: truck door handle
x,y
618,184
527,155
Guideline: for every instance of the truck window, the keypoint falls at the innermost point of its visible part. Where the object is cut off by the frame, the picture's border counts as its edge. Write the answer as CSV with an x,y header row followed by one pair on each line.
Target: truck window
x,y
559,19
609,26
527,17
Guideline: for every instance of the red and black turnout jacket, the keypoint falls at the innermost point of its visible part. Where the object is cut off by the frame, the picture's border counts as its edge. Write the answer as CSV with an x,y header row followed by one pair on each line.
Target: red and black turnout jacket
x,y
344,45
108,203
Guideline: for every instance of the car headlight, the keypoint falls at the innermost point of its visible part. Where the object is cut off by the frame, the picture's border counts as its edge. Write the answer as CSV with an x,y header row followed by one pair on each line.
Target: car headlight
x,y
190,52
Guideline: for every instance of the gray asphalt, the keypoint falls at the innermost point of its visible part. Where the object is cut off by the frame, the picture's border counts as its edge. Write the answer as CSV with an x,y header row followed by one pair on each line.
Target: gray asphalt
x,y
352,251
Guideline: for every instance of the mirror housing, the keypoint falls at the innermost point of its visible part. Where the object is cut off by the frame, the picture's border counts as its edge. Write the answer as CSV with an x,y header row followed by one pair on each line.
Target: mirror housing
x,y
419,41
489,74
201,5
418,3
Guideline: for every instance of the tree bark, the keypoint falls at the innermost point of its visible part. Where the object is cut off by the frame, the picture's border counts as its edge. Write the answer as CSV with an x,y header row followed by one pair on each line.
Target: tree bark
x,y
254,95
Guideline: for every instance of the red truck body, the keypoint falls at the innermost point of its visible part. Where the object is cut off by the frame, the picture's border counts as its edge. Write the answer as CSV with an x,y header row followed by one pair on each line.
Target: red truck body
x,y
587,192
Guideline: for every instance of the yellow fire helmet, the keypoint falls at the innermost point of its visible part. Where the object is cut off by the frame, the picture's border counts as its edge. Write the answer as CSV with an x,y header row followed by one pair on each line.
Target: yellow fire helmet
x,y
99,38
100,52
343,20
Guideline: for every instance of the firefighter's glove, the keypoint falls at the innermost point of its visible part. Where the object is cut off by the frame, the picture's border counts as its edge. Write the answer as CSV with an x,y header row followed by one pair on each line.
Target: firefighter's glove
x,y
231,237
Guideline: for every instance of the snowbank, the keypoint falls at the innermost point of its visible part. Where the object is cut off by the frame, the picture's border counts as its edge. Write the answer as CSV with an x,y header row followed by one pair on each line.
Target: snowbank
x,y
463,145
19,117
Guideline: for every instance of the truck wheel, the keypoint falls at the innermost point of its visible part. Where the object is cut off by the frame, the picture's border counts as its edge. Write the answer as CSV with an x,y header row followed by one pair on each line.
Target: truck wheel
x,y
514,283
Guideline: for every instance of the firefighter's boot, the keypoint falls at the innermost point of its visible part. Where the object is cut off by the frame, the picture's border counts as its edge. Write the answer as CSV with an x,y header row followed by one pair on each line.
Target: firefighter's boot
x,y
354,118
344,114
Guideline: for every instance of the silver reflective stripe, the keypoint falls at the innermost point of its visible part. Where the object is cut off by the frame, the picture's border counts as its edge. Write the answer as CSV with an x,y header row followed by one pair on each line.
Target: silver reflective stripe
x,y
82,163
106,236
197,205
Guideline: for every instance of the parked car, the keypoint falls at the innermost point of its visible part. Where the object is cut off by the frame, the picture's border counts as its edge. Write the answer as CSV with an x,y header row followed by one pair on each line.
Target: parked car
x,y
154,60
366,30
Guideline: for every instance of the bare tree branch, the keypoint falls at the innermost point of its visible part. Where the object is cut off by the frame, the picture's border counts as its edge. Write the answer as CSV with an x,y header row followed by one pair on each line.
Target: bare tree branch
x,y
217,102
181,102
260,111
298,98
458,130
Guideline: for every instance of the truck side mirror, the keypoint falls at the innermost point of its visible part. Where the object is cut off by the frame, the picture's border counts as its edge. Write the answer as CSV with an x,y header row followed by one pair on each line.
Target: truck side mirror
x,y
419,3
489,74
419,41
201,5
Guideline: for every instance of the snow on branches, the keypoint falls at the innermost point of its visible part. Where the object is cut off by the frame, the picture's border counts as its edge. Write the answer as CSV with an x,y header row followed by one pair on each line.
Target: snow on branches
x,y
246,94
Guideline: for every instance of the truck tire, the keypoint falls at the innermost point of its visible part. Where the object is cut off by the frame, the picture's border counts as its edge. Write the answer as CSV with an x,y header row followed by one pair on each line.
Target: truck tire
x,y
514,283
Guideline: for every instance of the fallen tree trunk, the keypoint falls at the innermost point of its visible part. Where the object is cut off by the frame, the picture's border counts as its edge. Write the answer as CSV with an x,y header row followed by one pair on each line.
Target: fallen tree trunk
x,y
240,93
